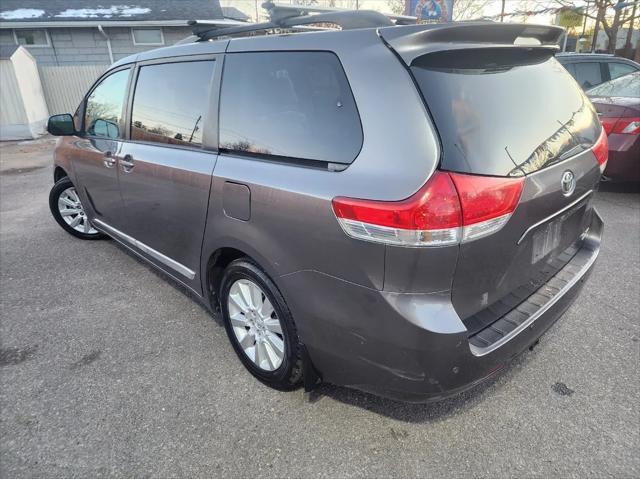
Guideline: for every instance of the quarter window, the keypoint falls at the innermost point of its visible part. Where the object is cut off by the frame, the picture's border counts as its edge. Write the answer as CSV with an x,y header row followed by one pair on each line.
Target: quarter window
x,y
170,101
103,116
147,36
289,104
32,38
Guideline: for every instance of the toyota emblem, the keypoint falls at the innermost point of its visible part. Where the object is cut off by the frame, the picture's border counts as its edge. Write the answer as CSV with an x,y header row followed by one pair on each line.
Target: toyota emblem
x,y
568,183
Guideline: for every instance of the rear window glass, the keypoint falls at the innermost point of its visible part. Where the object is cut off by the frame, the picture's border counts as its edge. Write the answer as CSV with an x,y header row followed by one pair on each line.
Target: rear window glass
x,y
626,86
617,69
288,104
170,101
504,113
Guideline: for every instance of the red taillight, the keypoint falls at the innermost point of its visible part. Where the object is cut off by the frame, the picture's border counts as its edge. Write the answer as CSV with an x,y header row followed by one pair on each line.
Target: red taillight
x,y
608,124
601,150
627,126
622,126
430,216
449,208
485,197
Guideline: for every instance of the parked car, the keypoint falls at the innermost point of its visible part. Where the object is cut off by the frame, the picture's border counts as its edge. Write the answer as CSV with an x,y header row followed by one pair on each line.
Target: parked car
x,y
592,69
378,207
618,105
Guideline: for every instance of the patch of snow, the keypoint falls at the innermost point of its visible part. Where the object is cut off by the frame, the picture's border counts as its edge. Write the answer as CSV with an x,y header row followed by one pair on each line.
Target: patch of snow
x,y
21,13
113,10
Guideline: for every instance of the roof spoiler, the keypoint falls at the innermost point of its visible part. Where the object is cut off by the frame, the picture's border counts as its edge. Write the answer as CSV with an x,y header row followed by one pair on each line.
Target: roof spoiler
x,y
418,40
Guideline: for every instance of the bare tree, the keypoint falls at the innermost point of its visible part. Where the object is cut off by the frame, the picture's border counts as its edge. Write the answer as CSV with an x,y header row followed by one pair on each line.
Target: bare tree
x,y
396,6
468,9
600,12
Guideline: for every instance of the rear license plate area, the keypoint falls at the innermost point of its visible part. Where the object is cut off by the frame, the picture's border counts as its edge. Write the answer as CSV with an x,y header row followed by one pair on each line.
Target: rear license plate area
x,y
558,234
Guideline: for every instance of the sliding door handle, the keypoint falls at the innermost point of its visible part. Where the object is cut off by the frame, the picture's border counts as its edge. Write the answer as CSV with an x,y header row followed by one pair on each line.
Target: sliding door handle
x,y
127,163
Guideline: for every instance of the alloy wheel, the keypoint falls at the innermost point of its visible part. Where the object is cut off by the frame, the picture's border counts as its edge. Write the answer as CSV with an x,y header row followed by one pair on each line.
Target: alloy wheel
x,y
256,325
73,213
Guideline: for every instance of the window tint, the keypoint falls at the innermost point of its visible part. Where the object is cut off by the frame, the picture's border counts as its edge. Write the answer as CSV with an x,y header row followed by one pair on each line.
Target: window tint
x,y
147,36
170,101
619,69
291,104
504,112
588,74
104,106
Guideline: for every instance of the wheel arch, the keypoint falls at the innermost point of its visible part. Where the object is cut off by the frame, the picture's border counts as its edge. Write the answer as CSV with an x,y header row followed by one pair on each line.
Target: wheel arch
x,y
219,257
214,269
59,173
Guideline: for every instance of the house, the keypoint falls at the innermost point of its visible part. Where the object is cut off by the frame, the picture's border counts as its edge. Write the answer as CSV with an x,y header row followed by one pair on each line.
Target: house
x,y
77,32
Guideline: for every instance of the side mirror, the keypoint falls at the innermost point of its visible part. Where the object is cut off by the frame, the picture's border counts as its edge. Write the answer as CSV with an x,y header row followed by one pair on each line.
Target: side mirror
x,y
61,125
105,128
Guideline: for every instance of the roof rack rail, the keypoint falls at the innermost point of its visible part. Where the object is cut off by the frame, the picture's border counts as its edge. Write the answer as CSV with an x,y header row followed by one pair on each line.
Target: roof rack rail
x,y
291,16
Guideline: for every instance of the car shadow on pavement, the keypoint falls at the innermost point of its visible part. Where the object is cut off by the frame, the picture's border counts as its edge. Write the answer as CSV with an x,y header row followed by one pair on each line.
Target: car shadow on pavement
x,y
415,412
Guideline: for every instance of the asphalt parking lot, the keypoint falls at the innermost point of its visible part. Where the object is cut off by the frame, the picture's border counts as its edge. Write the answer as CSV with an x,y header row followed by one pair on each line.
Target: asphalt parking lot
x,y
107,369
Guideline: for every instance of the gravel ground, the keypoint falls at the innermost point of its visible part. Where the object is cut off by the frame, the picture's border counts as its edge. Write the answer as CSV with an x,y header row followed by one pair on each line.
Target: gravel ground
x,y
107,369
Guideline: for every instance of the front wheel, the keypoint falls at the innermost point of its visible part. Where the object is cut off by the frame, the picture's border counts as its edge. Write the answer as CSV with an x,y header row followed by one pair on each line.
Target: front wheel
x,y
260,326
67,210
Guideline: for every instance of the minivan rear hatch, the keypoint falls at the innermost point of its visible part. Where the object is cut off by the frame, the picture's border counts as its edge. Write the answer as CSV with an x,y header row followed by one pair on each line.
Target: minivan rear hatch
x,y
504,107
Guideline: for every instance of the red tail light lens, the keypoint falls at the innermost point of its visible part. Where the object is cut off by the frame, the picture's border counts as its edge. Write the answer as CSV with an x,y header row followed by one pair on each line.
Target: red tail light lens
x,y
485,197
608,124
429,217
601,150
627,126
449,208
622,126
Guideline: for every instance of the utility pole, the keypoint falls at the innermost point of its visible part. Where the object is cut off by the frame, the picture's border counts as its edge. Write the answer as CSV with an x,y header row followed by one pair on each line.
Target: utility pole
x,y
502,11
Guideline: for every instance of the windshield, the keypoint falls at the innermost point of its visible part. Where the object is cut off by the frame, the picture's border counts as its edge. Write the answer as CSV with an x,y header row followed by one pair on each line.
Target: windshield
x,y
625,86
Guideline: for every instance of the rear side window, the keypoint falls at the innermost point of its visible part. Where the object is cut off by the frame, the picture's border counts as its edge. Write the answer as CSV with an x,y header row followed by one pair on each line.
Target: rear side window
x,y
288,104
103,114
170,101
504,113
617,69
588,74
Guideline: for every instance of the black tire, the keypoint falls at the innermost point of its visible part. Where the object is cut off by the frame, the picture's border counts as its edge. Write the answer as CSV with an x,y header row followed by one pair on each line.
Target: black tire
x,y
289,375
61,185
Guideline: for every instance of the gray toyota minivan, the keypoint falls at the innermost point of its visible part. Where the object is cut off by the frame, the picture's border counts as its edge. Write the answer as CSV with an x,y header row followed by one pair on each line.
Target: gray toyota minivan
x,y
397,209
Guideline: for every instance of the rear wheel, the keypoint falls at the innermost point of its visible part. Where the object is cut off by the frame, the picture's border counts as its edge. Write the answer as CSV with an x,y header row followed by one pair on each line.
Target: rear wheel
x,y
67,209
260,326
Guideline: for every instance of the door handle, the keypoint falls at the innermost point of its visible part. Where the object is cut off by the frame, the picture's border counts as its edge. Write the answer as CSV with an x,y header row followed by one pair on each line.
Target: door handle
x,y
108,160
127,163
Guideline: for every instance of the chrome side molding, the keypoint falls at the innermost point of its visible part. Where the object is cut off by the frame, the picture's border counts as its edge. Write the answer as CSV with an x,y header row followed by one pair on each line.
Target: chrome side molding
x,y
178,267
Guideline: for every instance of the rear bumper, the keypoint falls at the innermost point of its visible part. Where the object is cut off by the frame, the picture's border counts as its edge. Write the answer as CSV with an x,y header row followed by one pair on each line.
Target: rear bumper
x,y
414,347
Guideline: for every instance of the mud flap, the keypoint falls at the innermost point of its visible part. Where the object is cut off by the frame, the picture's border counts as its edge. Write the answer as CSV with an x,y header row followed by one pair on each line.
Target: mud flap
x,y
310,376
